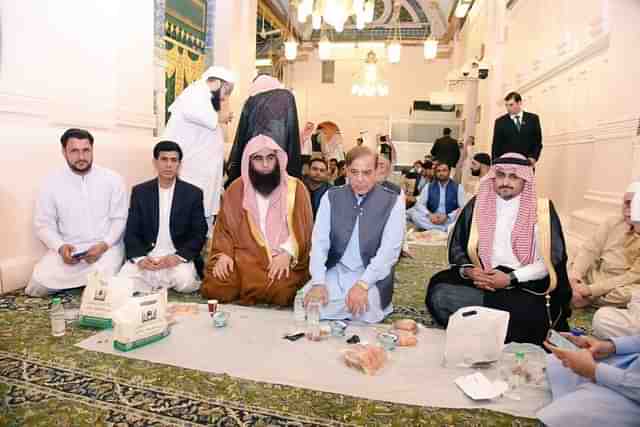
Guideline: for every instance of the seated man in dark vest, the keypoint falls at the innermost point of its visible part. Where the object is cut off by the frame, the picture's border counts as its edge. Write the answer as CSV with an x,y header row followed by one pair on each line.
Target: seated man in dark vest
x,y
356,243
439,202
507,252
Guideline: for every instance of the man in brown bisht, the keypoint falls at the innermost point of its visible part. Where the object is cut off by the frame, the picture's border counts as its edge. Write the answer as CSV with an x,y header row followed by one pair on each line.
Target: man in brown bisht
x,y
262,236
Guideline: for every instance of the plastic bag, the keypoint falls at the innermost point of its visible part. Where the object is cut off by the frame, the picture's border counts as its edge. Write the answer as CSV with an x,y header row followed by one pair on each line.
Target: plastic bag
x,y
101,297
141,321
475,335
531,368
367,358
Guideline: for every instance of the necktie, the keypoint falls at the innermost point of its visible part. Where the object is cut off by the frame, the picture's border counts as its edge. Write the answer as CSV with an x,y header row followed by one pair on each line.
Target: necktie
x,y
518,122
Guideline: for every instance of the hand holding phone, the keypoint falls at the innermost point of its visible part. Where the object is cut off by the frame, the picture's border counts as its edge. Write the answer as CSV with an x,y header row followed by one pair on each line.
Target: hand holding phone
x,y
79,255
561,342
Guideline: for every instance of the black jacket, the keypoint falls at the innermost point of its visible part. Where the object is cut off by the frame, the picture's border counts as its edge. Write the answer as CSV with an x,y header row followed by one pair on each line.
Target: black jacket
x,y
274,114
187,225
507,139
446,150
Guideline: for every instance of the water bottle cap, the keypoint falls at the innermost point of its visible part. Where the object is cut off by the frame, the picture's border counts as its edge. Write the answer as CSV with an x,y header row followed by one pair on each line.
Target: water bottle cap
x,y
56,300
519,354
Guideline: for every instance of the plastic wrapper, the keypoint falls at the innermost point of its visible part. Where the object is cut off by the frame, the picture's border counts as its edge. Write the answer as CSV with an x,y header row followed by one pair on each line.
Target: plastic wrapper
x,y
408,325
367,358
531,370
475,335
405,338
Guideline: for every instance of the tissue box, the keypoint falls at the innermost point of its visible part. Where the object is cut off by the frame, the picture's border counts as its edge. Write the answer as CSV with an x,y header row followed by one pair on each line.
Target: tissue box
x,y
101,297
141,321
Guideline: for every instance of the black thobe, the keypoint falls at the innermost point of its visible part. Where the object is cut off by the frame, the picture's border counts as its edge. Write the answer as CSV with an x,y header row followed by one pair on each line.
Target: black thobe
x,y
529,320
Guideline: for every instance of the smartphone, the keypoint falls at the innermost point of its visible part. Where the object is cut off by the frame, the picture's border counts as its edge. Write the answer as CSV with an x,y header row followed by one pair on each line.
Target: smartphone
x,y
79,255
294,337
561,342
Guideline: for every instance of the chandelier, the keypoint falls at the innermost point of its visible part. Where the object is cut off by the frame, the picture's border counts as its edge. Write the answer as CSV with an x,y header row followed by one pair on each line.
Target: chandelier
x,y
368,81
335,12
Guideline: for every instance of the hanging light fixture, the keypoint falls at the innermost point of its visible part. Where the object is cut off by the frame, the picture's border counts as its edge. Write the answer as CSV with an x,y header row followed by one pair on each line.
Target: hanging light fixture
x,y
430,48
291,45
324,47
336,13
394,48
291,49
369,9
305,8
316,20
368,81
393,52
462,8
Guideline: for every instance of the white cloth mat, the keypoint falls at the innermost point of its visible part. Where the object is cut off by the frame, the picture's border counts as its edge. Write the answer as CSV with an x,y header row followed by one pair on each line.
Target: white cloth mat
x,y
252,347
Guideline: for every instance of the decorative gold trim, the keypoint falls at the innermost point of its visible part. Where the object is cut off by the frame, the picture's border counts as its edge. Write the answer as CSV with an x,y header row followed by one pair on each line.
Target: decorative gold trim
x,y
184,46
257,235
544,239
474,239
292,185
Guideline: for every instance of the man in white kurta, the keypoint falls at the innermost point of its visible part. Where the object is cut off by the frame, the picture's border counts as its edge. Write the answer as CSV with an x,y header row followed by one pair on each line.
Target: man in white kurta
x,y
196,116
82,208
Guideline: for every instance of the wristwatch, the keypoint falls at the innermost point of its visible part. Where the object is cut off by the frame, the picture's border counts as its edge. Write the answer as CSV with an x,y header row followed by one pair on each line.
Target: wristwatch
x,y
513,280
363,285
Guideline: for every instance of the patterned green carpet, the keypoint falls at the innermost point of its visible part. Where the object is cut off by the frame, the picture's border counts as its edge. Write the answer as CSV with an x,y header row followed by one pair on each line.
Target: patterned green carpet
x,y
47,381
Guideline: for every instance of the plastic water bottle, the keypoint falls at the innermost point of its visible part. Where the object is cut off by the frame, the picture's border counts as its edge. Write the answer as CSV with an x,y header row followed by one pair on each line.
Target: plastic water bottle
x,y
58,324
313,320
516,374
299,314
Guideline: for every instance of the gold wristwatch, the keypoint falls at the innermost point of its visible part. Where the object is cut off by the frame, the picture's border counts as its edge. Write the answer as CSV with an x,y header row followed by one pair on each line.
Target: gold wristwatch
x,y
363,285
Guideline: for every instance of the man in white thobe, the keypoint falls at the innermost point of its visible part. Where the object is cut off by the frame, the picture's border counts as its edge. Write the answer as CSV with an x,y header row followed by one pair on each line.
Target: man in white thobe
x,y
196,116
80,216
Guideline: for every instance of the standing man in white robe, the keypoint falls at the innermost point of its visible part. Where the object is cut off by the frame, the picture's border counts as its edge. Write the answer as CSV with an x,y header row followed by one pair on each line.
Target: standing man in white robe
x,y
80,216
196,116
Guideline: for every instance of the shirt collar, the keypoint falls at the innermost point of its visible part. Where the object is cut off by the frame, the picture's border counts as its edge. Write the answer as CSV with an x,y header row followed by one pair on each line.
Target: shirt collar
x,y
74,175
507,204
170,189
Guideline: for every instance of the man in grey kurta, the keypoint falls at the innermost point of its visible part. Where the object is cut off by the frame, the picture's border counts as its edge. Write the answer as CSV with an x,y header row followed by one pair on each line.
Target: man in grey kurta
x,y
356,242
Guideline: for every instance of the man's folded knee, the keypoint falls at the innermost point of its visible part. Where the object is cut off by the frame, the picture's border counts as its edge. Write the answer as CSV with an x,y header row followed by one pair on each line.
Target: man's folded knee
x,y
37,290
223,294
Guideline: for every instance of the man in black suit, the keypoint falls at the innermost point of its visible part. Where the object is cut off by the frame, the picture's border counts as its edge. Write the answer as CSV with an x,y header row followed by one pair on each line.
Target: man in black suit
x,y
166,227
446,149
518,131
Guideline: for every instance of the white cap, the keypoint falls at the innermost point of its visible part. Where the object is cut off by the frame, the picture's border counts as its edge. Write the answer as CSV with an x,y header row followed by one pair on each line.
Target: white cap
x,y
635,208
220,73
634,187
